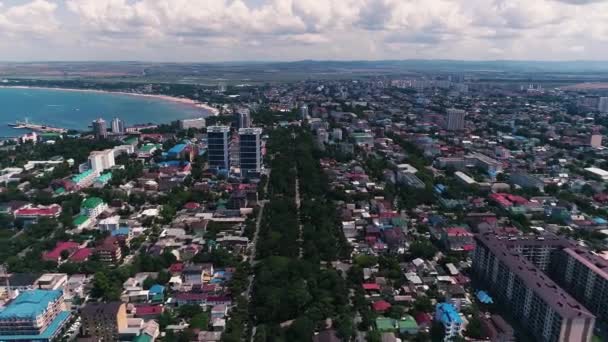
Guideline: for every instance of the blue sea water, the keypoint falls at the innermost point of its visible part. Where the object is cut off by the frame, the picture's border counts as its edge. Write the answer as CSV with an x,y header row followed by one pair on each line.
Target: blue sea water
x,y
76,110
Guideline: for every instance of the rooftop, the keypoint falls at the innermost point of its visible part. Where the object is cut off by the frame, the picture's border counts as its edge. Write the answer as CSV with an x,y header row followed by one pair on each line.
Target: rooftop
x,y
30,304
534,278
92,202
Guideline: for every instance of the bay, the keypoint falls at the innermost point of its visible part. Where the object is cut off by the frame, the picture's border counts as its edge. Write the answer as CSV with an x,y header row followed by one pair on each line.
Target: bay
x,y
77,109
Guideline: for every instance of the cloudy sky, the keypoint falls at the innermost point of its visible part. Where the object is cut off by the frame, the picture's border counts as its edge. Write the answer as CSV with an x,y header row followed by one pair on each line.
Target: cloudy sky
x,y
229,30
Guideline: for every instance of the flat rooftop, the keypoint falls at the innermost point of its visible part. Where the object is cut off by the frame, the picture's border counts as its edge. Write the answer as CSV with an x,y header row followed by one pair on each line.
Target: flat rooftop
x,y
534,278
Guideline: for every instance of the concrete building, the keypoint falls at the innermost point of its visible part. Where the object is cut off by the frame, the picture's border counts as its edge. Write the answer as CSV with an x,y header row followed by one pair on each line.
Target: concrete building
x,y
455,120
243,118
514,271
100,161
596,140
602,105
446,314
197,123
35,315
218,147
118,126
304,112
250,152
52,281
100,129
103,321
597,172
92,207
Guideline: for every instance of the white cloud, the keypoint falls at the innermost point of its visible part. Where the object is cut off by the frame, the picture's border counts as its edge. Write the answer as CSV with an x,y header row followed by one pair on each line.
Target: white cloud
x,y
34,19
301,29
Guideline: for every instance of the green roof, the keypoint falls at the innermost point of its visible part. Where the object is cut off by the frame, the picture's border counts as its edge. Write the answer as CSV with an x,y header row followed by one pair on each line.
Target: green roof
x,y
132,141
60,191
149,147
79,177
80,219
92,202
407,323
143,338
105,177
385,324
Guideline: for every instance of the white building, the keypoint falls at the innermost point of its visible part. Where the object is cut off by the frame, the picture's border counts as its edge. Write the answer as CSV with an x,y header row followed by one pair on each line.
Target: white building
x,y
101,160
109,224
197,123
603,174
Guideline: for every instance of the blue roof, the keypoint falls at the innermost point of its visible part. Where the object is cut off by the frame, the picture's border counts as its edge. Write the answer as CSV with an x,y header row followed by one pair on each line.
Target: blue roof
x,y
48,334
484,297
121,231
157,289
447,314
173,163
600,220
30,304
177,149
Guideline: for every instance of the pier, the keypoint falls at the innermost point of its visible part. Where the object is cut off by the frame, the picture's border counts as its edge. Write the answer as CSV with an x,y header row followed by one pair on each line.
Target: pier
x,y
37,127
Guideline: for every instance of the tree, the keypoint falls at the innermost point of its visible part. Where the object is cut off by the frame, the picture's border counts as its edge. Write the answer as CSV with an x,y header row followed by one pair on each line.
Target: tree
x,y
200,321
422,249
474,329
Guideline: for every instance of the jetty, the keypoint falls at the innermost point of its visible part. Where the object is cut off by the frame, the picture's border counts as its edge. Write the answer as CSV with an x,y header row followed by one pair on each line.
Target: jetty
x,y
37,127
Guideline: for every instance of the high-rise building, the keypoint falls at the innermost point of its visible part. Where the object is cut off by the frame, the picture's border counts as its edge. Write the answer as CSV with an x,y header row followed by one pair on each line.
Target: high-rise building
x,y
250,151
455,120
304,112
100,129
197,123
118,126
243,118
101,160
514,271
103,321
35,315
596,140
603,105
218,147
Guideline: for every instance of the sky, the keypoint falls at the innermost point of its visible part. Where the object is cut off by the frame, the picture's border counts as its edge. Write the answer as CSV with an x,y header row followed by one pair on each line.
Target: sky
x,y
287,30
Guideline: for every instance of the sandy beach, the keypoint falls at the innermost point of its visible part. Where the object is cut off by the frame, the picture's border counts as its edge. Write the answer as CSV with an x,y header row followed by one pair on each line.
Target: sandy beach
x,y
190,102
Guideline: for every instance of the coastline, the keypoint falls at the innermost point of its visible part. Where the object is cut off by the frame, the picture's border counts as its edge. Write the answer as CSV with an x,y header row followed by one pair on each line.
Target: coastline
x,y
212,111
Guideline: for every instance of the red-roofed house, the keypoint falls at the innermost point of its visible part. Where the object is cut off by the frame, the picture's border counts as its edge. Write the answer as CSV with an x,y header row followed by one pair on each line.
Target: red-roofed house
x,y
55,254
176,268
381,306
149,311
457,238
81,255
191,206
371,287
31,212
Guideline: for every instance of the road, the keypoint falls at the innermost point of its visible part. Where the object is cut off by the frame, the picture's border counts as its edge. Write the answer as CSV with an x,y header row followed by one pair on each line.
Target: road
x,y
298,204
254,245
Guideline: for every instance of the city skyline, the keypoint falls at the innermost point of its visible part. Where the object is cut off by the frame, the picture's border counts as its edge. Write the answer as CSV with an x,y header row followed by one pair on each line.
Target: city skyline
x,y
279,30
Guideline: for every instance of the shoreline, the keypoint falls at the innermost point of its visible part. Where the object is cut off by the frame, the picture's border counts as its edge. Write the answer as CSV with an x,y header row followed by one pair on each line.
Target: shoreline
x,y
212,111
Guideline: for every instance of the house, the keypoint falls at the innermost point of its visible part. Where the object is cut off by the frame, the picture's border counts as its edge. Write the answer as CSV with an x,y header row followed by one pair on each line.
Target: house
x,y
109,250
381,306
103,321
92,207
33,213
449,318
148,311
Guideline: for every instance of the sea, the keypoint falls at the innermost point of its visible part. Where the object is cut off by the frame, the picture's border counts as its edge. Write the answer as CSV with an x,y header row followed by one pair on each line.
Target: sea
x,y
77,109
